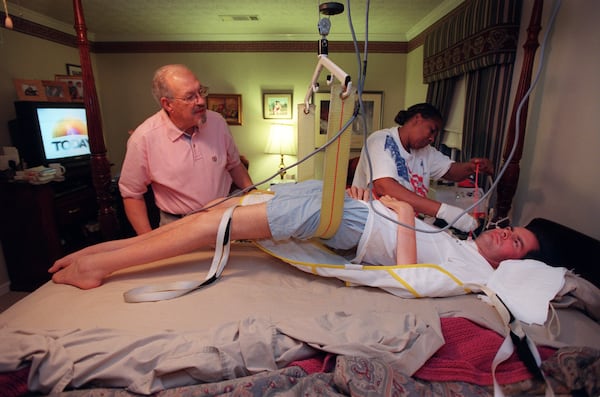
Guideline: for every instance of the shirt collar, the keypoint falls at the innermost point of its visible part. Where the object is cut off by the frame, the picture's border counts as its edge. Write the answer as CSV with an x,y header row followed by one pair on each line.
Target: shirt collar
x,y
173,132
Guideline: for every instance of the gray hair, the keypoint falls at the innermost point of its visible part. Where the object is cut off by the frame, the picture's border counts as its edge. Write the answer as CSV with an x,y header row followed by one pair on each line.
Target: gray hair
x,y
160,83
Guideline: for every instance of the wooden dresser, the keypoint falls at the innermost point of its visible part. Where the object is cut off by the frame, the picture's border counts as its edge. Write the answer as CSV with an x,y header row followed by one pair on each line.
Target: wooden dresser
x,y
41,223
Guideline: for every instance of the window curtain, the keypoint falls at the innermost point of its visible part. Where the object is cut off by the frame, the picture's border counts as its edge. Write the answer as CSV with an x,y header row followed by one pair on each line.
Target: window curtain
x,y
479,40
488,94
439,94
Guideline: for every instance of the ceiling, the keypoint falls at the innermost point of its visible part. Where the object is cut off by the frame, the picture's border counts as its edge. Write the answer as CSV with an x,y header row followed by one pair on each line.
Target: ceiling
x,y
235,20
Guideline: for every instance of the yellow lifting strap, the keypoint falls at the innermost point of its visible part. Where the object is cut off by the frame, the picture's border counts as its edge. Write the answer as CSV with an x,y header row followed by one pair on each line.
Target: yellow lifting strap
x,y
336,163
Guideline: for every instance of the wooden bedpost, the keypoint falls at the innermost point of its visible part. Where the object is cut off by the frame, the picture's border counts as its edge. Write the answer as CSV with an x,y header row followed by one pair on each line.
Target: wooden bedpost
x,y
100,166
510,179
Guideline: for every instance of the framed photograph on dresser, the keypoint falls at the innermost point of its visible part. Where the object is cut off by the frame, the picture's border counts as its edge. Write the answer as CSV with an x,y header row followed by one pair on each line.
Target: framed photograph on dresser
x,y
56,91
30,90
74,86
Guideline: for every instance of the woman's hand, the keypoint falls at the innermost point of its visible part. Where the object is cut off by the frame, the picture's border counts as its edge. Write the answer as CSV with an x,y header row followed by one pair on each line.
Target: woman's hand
x,y
485,165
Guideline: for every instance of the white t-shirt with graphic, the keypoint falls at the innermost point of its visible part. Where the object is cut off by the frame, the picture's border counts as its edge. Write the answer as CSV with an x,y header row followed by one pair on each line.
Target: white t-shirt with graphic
x,y
390,159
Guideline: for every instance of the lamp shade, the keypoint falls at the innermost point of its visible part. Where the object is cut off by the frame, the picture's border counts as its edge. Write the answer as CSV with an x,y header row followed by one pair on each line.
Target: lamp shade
x,y
281,140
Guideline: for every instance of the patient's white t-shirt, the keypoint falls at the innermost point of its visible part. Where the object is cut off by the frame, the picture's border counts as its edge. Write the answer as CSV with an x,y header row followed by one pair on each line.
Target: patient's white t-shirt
x,y
460,257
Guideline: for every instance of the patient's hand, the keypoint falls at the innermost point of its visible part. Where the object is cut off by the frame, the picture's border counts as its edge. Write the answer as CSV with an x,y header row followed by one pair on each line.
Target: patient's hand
x,y
358,193
402,208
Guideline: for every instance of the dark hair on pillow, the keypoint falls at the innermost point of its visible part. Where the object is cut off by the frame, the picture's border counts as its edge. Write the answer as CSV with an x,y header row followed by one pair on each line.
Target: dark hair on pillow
x,y
561,246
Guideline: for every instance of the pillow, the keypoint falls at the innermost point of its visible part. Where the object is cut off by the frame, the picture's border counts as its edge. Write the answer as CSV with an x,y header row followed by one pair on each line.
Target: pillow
x,y
526,287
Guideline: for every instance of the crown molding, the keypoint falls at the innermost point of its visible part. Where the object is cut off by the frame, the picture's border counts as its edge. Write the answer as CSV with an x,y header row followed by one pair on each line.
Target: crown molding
x,y
25,26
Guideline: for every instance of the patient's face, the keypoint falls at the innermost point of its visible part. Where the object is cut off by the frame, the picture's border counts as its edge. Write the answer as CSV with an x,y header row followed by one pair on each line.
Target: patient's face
x,y
497,245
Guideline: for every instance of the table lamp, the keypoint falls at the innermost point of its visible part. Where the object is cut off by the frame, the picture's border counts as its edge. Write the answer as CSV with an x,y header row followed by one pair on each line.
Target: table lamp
x,y
281,141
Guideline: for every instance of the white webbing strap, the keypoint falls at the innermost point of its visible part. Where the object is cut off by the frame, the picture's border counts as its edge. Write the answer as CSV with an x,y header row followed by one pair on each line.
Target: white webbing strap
x,y
158,292
515,337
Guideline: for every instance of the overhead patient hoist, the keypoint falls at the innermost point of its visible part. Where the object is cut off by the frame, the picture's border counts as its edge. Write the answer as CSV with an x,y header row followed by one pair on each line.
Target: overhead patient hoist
x,y
341,112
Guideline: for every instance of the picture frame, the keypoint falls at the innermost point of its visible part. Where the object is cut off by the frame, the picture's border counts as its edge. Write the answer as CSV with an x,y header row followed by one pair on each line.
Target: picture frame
x,y
74,86
321,101
373,109
29,90
227,105
73,70
56,91
278,105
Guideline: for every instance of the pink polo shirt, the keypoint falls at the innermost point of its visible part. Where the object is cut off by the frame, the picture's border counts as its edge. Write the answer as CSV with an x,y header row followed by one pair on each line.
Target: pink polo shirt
x,y
185,173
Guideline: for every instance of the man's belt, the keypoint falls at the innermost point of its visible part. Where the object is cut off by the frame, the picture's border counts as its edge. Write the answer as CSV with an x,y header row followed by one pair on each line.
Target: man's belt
x,y
173,215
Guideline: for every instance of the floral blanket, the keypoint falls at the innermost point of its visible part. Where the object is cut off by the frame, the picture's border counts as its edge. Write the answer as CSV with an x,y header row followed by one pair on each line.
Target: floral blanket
x,y
455,370
571,370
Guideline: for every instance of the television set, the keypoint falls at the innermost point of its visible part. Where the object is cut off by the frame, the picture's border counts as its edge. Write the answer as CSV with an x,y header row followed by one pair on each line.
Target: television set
x,y
51,132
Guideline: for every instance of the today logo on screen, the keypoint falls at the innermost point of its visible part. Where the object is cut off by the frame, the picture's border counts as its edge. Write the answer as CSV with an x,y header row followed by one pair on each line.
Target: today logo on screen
x,y
70,134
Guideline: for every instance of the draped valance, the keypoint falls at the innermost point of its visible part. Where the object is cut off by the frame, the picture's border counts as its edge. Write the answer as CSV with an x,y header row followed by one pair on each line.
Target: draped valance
x,y
479,34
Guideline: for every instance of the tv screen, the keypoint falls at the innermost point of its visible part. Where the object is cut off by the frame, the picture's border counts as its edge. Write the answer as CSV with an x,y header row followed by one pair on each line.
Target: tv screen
x,y
46,132
63,132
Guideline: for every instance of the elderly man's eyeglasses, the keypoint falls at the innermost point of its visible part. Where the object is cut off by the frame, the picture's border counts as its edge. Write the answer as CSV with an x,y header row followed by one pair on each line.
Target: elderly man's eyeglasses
x,y
193,97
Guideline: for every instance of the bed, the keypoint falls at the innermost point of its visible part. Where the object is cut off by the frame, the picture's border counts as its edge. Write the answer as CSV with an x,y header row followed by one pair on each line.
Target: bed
x,y
267,328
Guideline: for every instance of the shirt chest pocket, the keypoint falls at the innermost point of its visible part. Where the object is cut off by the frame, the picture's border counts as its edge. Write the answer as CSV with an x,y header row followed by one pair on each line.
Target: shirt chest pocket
x,y
208,156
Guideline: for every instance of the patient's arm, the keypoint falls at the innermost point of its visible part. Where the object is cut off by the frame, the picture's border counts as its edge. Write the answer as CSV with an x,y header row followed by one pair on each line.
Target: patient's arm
x,y
406,246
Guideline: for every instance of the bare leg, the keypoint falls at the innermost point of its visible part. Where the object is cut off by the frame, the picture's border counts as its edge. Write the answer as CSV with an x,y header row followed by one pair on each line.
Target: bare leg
x,y
406,246
118,244
89,267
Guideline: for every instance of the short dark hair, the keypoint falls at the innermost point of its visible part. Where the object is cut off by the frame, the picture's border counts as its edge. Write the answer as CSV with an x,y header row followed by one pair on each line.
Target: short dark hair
x,y
562,246
426,110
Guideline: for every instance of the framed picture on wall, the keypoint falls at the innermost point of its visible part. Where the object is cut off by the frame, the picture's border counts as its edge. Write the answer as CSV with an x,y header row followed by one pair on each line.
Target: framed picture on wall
x,y
372,110
321,101
30,90
228,105
56,91
73,70
277,105
74,86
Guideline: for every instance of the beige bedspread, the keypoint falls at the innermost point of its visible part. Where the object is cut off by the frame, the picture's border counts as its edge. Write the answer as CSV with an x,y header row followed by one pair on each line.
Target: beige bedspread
x,y
261,315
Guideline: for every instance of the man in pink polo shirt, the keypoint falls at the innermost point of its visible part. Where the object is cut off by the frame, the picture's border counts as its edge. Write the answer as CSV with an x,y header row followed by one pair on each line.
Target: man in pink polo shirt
x,y
185,151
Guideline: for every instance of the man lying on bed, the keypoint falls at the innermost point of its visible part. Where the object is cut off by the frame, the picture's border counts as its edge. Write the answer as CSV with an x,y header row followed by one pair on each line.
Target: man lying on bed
x,y
293,212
